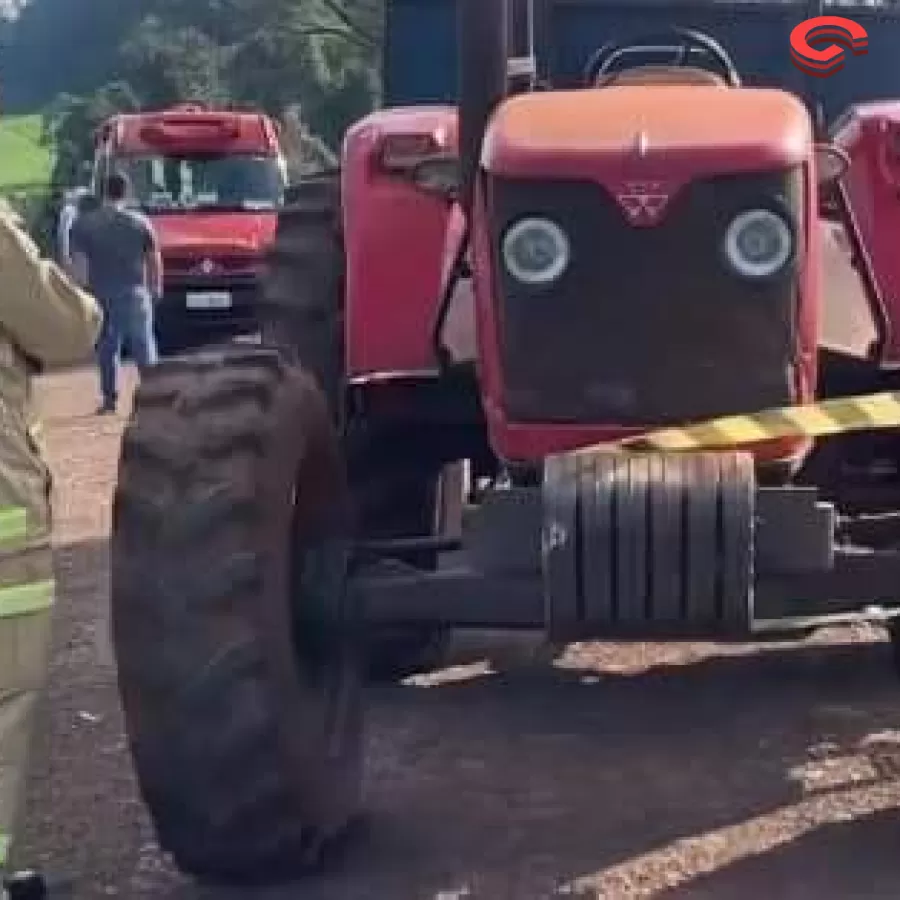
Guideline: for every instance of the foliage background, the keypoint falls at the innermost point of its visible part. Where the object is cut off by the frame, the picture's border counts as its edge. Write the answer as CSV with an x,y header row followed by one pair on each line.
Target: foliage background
x,y
311,63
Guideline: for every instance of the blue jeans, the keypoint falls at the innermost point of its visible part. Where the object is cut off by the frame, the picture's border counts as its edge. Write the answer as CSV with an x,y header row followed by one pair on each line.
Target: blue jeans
x,y
127,319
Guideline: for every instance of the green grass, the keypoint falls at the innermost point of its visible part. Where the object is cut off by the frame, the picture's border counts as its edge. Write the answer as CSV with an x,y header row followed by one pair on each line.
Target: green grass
x,y
24,163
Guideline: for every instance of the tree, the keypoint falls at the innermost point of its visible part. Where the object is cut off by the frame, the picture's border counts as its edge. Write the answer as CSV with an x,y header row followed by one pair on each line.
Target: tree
x,y
66,46
304,151
265,52
282,56
175,64
69,125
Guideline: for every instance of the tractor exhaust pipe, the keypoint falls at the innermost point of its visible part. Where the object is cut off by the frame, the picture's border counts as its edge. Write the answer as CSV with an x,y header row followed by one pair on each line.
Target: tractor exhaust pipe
x,y
481,62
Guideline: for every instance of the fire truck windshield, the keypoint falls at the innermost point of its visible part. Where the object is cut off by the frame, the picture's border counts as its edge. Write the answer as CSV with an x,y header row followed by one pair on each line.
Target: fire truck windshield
x,y
185,183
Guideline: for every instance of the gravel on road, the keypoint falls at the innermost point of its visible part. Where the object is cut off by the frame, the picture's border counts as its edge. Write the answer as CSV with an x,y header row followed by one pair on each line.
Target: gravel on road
x,y
675,771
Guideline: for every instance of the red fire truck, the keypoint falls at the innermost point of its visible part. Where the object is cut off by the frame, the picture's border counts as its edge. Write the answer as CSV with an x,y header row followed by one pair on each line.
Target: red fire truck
x,y
212,182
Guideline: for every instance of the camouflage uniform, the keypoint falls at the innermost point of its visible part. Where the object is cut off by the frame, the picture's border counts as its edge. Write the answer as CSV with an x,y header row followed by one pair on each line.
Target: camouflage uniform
x,y
45,320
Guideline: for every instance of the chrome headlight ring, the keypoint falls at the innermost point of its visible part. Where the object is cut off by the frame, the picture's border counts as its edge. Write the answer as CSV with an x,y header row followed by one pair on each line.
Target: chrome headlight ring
x,y
536,251
758,244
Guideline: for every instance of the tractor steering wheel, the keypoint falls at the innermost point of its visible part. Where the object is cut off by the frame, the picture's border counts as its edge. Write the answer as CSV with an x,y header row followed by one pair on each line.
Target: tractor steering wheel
x,y
684,46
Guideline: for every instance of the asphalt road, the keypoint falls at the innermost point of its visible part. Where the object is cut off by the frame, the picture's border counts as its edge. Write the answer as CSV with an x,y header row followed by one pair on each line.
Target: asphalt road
x,y
681,772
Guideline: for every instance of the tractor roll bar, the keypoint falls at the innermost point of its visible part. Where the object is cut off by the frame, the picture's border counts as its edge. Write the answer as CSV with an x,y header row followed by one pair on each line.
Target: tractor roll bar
x,y
482,51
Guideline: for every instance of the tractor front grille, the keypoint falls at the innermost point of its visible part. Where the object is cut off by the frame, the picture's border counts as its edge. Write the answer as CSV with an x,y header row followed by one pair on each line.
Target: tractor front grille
x,y
648,325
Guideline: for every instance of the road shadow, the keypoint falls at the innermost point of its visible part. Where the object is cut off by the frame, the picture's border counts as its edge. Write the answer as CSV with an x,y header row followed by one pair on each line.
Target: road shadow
x,y
531,784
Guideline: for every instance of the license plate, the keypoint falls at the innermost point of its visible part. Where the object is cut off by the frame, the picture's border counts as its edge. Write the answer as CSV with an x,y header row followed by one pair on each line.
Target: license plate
x,y
208,300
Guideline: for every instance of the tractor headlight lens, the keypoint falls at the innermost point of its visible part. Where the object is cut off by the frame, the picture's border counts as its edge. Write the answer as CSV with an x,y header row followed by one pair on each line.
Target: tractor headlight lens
x,y
536,251
758,243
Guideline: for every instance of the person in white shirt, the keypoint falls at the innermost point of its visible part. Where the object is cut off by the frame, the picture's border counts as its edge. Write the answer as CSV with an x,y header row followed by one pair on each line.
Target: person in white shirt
x,y
67,216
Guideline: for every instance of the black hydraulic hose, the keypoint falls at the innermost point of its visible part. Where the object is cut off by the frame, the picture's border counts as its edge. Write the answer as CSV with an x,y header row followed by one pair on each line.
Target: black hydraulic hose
x,y
457,271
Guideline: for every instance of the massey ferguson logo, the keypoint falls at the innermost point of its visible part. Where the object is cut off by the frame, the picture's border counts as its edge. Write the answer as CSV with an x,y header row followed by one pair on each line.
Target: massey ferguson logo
x,y
643,202
207,267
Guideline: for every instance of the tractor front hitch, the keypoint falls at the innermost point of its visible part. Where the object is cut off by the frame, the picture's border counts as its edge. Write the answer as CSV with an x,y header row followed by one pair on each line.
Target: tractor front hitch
x,y
653,545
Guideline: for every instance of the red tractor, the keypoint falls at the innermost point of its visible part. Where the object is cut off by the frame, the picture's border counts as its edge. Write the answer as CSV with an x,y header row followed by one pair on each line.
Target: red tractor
x,y
212,182
462,327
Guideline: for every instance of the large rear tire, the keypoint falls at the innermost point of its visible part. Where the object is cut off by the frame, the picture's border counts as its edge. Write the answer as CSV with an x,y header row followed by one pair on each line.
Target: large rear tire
x,y
234,633
302,315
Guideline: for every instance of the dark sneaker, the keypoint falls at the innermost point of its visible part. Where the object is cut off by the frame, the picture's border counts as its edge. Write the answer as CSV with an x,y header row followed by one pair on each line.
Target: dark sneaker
x,y
28,884
25,885
106,408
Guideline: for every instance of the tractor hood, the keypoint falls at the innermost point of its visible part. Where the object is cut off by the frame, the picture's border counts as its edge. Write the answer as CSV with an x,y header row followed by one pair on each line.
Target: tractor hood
x,y
212,234
674,131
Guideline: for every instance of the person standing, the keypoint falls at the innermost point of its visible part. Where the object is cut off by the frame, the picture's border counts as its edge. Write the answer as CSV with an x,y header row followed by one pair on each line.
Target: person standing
x,y
115,253
77,202
67,216
45,320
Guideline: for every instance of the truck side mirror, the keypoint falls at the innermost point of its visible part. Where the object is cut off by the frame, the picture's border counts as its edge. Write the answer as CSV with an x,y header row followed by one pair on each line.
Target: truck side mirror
x,y
832,164
439,175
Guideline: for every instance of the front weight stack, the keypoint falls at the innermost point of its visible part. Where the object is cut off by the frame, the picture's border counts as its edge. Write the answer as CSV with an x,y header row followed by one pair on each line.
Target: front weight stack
x,y
656,544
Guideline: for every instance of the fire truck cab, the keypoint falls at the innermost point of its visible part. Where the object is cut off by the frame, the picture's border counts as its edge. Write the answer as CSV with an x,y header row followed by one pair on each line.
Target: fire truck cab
x,y
212,183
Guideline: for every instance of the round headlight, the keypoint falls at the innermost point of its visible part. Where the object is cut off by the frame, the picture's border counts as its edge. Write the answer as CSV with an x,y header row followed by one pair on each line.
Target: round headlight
x,y
536,251
758,243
